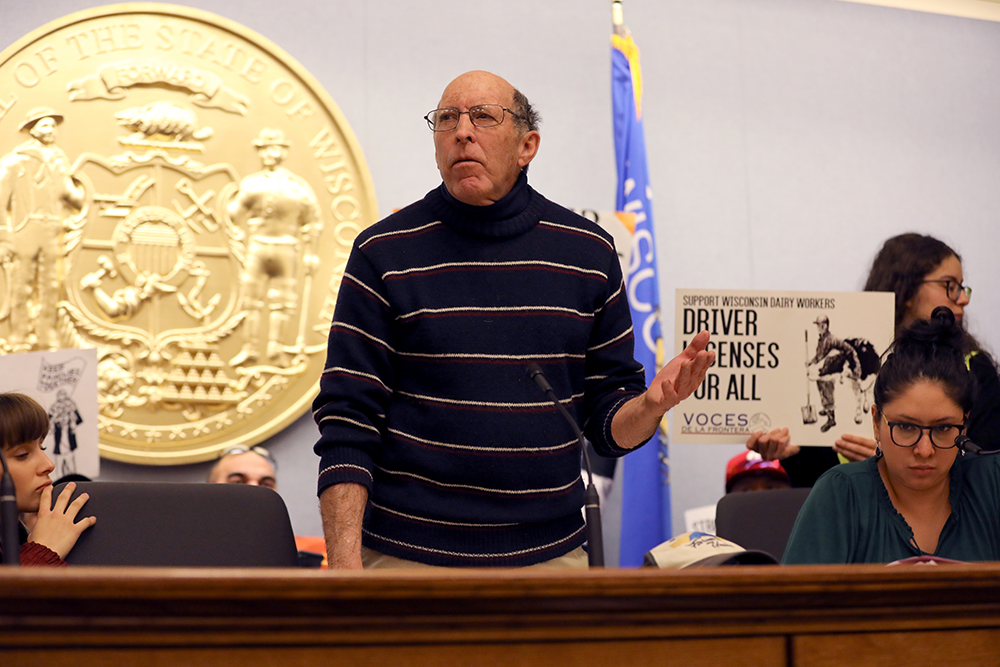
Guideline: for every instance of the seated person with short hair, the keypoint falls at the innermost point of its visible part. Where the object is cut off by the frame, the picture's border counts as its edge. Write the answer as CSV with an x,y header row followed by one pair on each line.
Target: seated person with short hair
x,y
245,465
254,465
921,496
23,427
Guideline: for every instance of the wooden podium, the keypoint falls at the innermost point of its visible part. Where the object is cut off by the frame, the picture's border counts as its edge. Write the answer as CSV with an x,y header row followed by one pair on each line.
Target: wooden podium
x,y
764,615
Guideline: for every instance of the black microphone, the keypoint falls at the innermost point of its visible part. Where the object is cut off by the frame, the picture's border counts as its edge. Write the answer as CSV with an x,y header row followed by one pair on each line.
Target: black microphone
x,y
8,516
591,499
964,443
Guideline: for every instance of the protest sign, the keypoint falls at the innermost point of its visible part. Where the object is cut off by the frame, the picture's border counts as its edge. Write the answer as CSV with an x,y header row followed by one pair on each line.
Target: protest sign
x,y
805,360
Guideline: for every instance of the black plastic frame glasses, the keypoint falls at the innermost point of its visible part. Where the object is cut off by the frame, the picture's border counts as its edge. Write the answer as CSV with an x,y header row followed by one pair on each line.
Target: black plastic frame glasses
x,y
481,115
953,288
907,432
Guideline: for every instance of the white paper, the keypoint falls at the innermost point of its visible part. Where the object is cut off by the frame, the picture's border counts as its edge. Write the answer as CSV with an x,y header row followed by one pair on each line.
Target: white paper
x,y
65,383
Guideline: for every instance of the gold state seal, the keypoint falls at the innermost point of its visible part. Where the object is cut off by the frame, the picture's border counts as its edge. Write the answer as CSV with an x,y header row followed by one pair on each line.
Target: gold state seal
x,y
178,193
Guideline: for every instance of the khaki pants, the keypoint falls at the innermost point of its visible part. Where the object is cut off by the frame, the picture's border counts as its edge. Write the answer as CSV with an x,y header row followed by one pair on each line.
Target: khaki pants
x,y
374,560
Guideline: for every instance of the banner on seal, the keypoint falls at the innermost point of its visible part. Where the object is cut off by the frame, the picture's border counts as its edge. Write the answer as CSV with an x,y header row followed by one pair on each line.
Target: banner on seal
x,y
805,360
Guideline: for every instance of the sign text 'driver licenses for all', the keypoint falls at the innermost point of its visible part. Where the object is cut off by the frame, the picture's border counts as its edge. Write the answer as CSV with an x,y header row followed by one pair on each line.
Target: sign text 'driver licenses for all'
x,y
805,360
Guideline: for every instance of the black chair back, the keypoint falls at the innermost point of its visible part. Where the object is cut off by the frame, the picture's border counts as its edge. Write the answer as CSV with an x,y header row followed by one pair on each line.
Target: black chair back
x,y
759,520
183,525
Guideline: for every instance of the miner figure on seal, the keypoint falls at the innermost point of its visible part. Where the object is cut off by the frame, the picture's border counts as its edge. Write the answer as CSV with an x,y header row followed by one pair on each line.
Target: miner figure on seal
x,y
37,193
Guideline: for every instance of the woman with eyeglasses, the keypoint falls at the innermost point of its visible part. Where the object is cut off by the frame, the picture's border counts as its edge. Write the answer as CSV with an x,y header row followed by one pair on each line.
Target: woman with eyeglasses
x,y
921,495
924,273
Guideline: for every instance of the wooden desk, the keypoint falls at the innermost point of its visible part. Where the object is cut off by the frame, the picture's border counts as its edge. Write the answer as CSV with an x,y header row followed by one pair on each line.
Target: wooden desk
x,y
801,616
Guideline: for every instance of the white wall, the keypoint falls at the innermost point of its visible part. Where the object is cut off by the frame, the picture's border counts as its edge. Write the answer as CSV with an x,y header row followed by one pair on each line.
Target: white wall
x,y
787,138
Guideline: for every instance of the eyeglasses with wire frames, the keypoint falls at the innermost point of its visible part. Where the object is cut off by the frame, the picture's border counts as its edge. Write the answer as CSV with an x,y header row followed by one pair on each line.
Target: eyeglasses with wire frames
x,y
481,115
906,434
953,288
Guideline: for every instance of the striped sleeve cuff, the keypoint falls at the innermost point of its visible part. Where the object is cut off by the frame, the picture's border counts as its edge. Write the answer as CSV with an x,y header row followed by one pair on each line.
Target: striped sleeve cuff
x,y
339,465
598,429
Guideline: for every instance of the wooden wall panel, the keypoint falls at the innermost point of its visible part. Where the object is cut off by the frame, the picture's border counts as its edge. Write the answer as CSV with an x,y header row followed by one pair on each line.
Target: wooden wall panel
x,y
955,648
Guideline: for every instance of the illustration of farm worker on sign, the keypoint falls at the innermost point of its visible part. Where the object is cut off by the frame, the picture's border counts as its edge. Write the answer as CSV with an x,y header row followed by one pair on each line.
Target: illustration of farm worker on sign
x,y
71,424
854,359
65,417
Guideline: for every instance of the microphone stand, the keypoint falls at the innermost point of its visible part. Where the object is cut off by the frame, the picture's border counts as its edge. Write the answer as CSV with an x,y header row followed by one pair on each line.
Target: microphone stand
x,y
592,500
9,516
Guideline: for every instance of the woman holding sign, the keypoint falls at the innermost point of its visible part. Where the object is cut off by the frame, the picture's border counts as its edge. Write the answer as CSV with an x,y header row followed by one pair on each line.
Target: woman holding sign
x,y
922,495
924,273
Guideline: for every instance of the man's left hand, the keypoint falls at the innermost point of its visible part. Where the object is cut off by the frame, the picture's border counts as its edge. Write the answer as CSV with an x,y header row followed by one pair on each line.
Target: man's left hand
x,y
681,376
638,419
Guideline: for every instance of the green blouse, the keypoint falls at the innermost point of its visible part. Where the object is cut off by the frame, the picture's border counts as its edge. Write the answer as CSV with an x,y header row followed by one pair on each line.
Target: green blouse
x,y
848,517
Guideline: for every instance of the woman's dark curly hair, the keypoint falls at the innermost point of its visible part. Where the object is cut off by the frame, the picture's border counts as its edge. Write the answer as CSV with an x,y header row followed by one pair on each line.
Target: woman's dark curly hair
x,y
929,350
901,265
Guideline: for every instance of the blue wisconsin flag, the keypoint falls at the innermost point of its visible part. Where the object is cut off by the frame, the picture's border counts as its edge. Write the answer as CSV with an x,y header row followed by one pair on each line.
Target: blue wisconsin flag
x,y
645,486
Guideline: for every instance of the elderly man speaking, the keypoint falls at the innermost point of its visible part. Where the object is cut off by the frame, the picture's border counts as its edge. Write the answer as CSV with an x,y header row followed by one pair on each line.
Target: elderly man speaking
x,y
436,449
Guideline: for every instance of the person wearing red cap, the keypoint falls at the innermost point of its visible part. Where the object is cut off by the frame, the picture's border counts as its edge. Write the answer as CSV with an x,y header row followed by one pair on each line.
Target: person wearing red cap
x,y
750,472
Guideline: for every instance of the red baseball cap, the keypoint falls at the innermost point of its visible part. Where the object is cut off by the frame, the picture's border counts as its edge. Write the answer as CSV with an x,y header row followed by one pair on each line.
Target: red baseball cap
x,y
750,462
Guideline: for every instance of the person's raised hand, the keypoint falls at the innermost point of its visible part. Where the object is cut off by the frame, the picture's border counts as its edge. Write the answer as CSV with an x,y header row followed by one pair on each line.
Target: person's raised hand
x,y
56,526
681,376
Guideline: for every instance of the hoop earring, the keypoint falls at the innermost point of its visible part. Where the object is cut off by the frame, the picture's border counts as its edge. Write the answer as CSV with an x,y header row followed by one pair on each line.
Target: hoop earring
x,y
878,450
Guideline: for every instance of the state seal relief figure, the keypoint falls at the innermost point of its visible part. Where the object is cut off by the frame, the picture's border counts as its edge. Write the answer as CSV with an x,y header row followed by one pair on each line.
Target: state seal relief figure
x,y
37,194
283,219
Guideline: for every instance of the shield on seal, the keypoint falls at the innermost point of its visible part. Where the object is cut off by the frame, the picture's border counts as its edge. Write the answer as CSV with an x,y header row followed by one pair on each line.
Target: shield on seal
x,y
151,264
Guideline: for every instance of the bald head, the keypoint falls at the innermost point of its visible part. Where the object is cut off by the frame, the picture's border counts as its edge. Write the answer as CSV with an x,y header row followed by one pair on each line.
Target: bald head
x,y
479,165
246,468
481,80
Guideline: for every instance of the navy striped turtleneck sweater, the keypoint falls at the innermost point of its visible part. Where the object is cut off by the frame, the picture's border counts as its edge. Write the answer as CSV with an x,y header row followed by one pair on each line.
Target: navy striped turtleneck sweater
x,y
425,401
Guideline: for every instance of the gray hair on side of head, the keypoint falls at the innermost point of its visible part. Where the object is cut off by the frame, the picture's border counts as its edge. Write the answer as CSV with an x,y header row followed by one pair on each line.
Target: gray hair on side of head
x,y
528,118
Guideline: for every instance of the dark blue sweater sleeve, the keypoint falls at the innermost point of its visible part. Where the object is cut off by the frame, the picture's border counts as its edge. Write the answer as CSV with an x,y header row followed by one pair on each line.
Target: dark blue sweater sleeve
x,y
357,381
613,375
